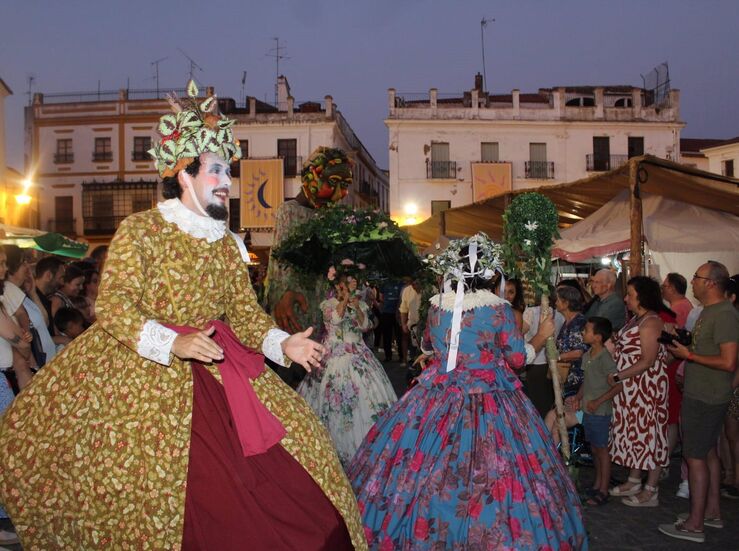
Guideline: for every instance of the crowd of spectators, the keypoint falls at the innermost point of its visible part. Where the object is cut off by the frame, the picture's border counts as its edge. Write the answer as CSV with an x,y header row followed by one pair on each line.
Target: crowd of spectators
x,y
640,395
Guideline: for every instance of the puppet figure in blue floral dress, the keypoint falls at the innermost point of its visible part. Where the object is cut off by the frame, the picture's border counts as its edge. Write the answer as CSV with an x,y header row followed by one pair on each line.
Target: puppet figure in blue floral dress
x,y
463,460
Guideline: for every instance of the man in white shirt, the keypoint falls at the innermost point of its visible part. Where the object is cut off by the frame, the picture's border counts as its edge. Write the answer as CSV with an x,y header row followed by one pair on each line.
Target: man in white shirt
x,y
410,303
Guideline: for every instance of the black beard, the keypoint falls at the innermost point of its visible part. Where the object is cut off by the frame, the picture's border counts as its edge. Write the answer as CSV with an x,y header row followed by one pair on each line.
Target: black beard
x,y
217,212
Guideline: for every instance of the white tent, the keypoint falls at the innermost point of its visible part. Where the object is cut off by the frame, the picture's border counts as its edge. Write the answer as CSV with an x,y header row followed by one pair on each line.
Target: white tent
x,y
678,236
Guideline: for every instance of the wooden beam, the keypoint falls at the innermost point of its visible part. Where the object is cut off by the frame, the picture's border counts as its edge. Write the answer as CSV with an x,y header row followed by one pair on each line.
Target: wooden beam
x,y
635,260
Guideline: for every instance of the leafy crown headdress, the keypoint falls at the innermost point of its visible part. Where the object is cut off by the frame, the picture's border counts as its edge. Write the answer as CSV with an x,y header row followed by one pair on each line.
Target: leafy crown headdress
x,y
482,259
194,128
453,265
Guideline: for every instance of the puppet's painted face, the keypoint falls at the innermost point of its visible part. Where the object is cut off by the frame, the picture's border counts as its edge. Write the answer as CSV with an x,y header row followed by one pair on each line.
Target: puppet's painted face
x,y
327,180
212,185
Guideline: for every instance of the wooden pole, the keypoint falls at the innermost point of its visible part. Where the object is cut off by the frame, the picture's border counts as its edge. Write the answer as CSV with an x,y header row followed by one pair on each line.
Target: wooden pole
x,y
635,256
442,223
552,357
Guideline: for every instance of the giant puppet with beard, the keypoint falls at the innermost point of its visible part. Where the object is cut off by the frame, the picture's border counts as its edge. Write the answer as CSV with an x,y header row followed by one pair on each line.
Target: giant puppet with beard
x,y
291,297
159,427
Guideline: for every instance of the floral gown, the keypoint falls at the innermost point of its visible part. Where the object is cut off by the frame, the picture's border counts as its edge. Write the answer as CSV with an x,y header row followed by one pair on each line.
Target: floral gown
x,y
463,460
94,452
351,390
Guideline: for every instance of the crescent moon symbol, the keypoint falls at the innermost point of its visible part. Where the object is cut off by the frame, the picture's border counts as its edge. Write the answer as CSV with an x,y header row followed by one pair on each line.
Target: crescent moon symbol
x,y
260,195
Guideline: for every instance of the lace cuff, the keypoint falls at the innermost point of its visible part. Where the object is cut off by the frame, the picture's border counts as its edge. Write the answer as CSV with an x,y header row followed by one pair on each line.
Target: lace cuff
x,y
271,346
155,342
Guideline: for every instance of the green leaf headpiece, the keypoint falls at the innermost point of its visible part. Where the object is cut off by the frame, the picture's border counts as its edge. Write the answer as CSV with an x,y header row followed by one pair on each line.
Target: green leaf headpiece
x,y
194,128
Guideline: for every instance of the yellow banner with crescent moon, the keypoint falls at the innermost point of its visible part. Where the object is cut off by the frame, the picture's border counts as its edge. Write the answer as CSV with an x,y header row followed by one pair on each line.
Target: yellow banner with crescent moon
x,y
489,179
262,191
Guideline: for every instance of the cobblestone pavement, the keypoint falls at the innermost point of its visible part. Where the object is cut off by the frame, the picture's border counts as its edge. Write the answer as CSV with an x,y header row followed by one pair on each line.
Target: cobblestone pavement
x,y
616,527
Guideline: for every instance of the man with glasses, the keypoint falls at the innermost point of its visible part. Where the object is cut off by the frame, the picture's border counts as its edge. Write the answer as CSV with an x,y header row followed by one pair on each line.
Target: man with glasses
x,y
709,370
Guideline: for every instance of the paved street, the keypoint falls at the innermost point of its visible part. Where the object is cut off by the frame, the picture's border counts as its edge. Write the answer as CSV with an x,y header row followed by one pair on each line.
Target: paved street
x,y
616,527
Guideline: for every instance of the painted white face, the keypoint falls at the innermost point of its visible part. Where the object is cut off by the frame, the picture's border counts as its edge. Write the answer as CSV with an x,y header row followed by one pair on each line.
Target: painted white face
x,y
211,186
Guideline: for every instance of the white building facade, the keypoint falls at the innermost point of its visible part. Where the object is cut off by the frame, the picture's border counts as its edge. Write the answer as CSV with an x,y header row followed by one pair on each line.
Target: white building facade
x,y
723,157
553,136
88,154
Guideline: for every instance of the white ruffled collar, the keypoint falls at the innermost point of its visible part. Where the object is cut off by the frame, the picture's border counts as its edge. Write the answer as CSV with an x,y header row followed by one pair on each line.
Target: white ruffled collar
x,y
475,299
200,227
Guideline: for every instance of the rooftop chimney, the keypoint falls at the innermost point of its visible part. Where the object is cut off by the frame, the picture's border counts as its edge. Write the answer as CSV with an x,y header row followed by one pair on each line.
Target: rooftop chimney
x,y
283,91
478,82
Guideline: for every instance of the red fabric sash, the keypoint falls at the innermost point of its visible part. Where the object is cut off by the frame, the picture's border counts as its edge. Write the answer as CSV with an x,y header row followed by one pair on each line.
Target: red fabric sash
x,y
258,429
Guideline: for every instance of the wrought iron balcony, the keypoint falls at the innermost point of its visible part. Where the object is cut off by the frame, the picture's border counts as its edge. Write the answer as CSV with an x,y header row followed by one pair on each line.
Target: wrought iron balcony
x,y
604,164
140,156
101,225
102,157
441,169
63,158
539,170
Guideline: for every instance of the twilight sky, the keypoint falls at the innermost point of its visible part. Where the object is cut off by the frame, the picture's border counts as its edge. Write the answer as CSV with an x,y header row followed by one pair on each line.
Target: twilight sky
x,y
355,50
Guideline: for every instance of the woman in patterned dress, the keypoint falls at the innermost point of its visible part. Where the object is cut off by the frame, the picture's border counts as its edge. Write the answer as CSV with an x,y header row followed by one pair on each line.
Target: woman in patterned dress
x,y
351,390
639,429
463,460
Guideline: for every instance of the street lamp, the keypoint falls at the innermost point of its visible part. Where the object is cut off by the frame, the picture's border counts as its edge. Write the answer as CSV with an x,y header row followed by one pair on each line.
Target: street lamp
x,y
23,198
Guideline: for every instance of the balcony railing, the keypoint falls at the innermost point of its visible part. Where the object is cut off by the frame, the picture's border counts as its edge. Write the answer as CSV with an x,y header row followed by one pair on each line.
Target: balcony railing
x,y
102,157
140,156
604,164
62,158
292,165
539,170
101,225
65,226
441,169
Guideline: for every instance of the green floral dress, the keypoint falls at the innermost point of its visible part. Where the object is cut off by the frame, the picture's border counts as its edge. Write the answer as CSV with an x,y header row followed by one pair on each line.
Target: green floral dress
x,y
351,390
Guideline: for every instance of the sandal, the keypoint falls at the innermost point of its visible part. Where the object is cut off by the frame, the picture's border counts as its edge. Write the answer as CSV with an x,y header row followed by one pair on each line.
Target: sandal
x,y
620,491
679,531
598,499
651,501
710,522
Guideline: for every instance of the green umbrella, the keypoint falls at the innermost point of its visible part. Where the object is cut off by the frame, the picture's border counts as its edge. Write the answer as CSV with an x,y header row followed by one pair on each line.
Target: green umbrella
x,y
56,243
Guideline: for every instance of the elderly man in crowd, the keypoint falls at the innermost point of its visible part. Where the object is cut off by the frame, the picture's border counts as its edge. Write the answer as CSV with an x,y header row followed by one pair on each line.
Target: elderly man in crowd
x,y
607,304
709,370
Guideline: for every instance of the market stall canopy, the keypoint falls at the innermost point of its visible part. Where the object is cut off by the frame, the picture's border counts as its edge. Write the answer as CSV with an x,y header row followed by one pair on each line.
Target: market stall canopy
x,y
577,200
53,243
669,226
56,243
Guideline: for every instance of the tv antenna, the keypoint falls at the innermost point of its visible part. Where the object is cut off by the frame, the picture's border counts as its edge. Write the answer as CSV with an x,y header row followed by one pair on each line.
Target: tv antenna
x,y
155,64
193,64
276,52
484,23
31,79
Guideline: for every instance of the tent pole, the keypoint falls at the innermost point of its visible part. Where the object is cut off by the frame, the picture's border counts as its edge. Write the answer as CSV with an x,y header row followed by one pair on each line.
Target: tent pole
x,y
635,256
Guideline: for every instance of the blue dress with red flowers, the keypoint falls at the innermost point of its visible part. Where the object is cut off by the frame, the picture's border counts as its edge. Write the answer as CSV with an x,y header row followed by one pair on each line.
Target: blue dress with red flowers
x,y
463,460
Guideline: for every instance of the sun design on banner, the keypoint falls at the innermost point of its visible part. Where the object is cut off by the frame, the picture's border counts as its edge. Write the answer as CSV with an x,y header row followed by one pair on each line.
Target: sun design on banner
x,y
261,192
489,179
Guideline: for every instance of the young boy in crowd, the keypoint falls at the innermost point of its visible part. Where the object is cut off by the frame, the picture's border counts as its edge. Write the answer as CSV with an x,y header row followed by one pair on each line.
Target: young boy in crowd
x,y
597,395
69,322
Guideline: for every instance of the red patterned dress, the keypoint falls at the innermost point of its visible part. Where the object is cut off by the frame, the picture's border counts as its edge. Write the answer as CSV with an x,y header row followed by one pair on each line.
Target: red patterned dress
x,y
639,427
